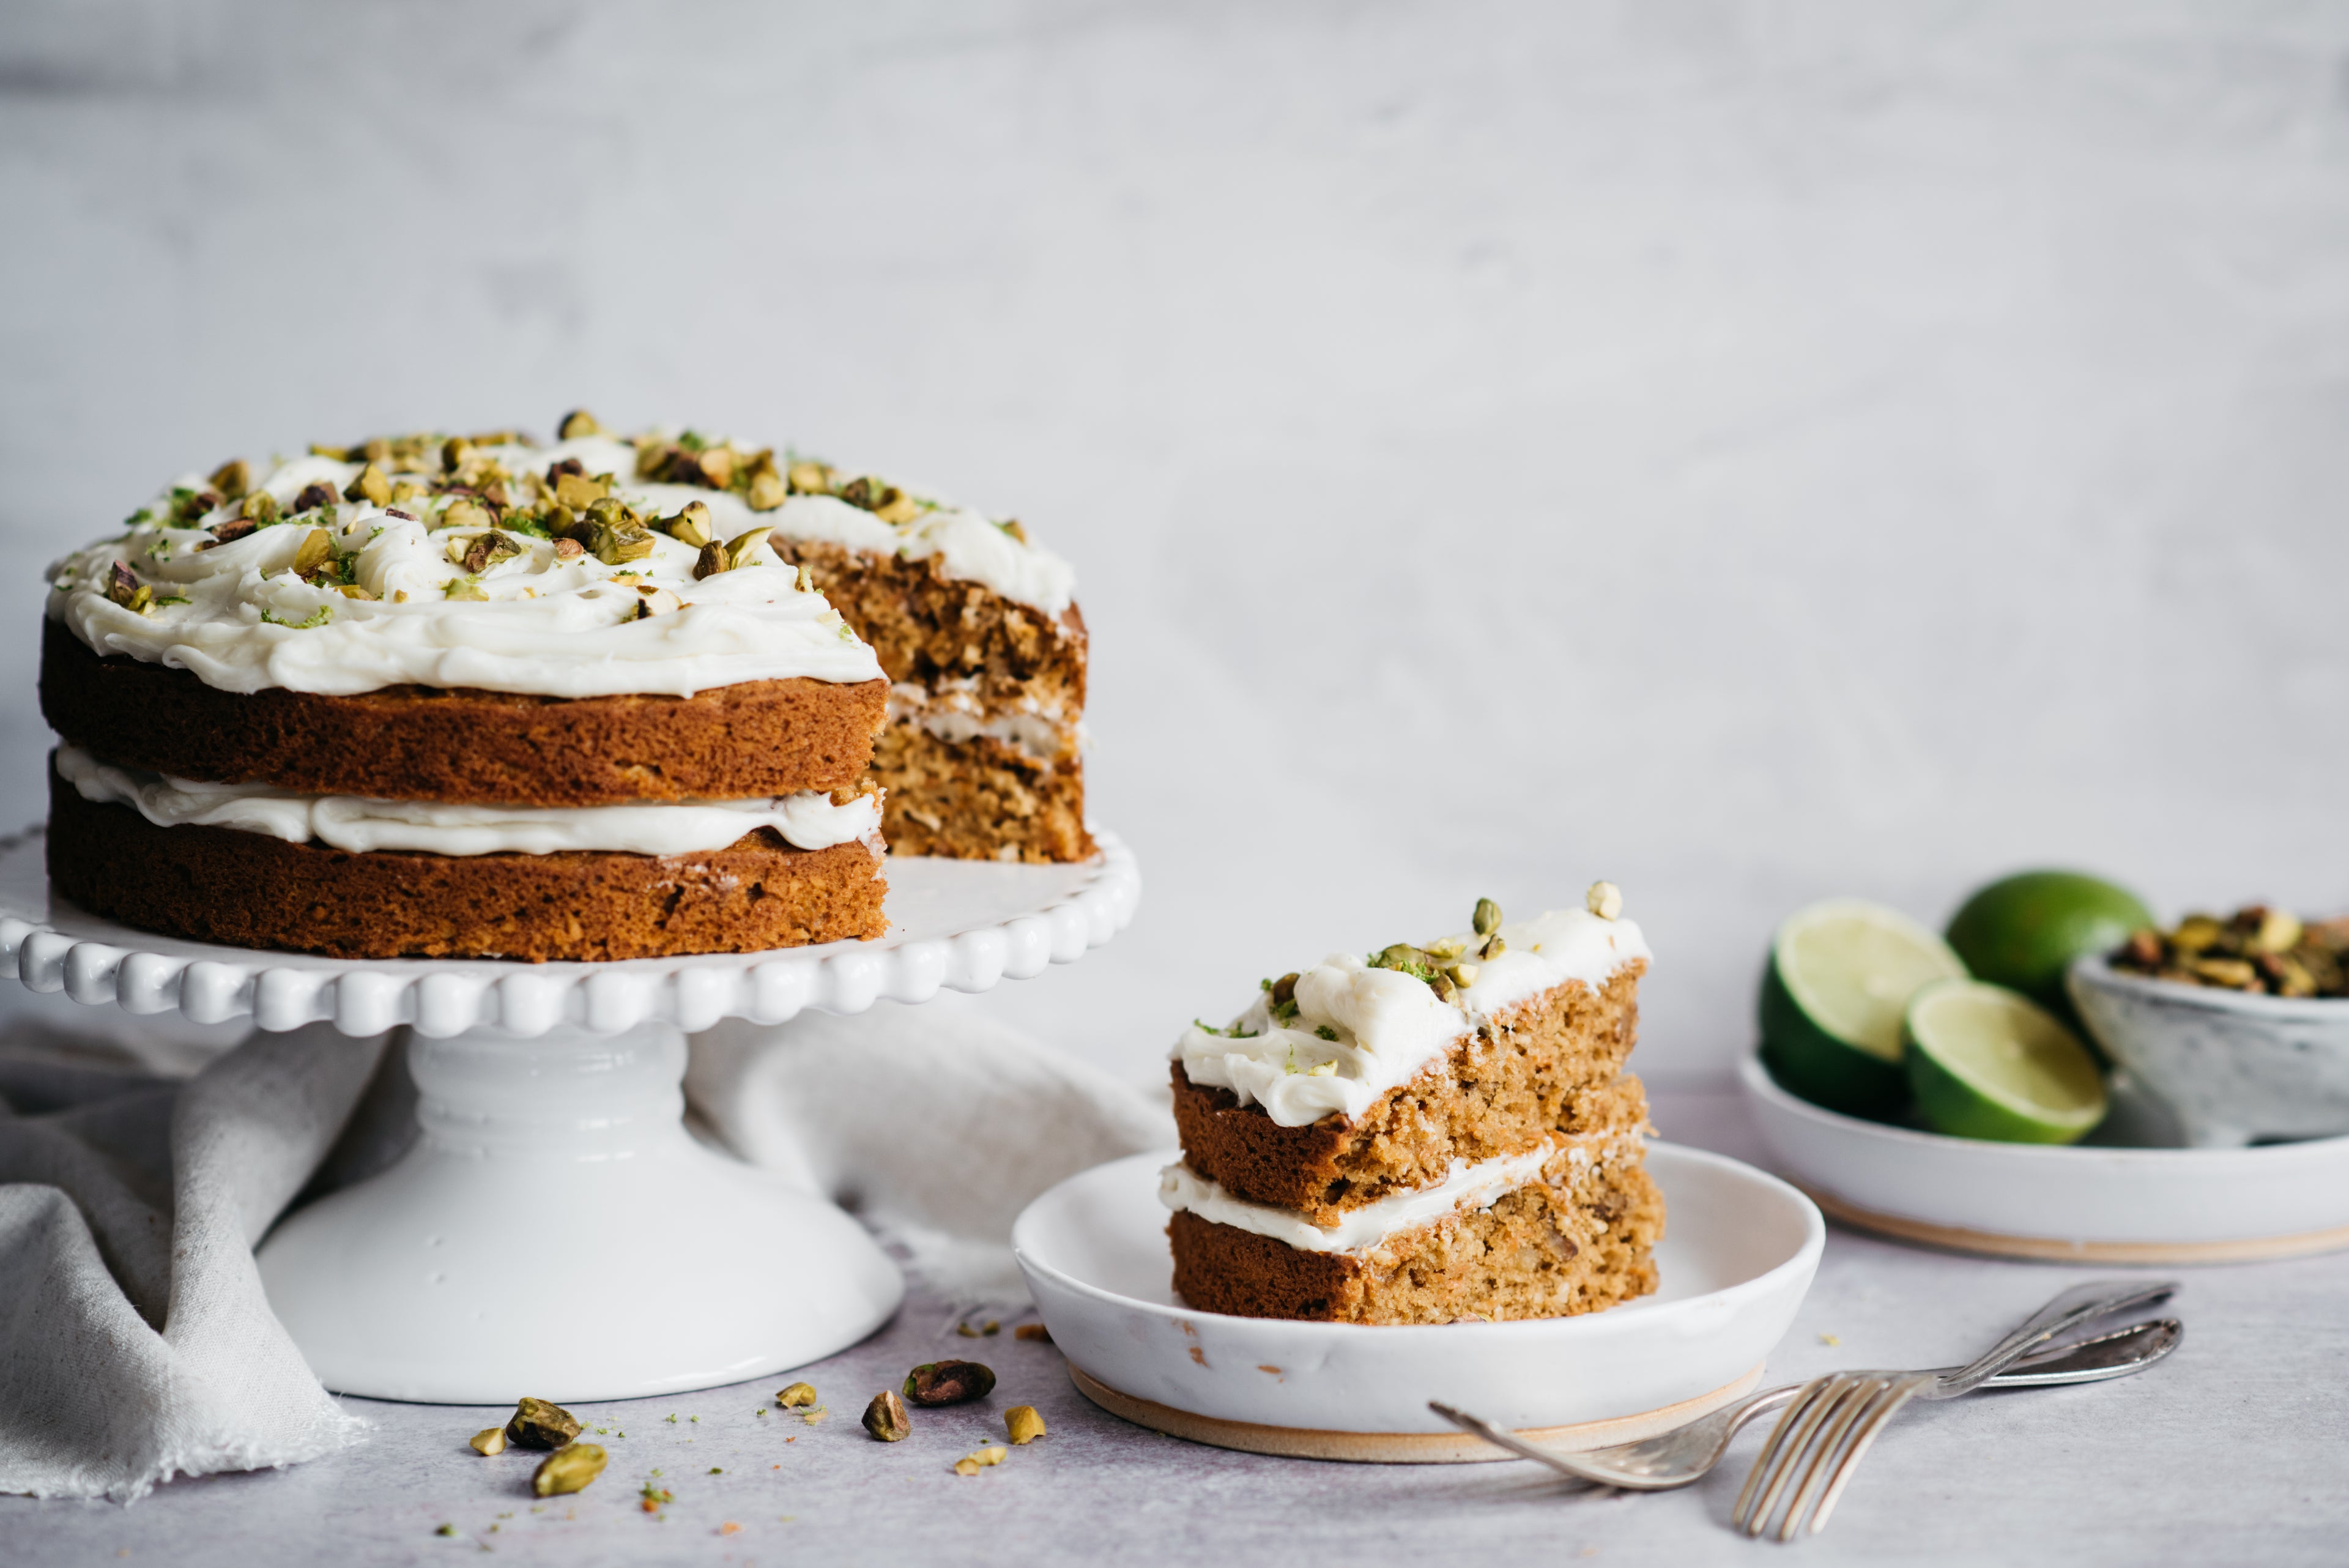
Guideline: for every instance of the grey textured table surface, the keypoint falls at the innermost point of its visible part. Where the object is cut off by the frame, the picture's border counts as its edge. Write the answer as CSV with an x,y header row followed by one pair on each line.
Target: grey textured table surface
x,y
2235,1451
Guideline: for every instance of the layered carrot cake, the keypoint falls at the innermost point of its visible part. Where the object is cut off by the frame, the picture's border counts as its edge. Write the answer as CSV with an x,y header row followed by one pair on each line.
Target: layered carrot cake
x,y
1430,1134
447,695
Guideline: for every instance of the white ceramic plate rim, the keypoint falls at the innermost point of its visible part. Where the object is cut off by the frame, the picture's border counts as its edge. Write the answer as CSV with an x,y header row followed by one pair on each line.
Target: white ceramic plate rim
x,y
1802,1261
2057,1157
2096,970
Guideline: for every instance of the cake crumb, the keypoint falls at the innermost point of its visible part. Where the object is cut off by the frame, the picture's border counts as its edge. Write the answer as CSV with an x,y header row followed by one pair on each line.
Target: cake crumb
x,y
1830,1339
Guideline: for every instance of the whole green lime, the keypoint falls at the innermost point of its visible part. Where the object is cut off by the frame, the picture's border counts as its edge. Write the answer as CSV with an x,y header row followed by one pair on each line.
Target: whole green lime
x,y
2023,931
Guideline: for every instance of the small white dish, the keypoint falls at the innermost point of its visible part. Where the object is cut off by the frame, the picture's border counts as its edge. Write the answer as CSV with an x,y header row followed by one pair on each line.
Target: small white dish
x,y
1738,1253
2085,1202
2233,1065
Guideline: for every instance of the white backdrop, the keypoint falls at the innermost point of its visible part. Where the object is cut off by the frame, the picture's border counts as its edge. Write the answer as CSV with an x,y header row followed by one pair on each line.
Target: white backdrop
x,y
1748,451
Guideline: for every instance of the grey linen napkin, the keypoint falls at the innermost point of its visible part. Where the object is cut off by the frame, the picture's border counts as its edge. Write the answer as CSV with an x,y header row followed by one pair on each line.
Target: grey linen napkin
x,y
136,1343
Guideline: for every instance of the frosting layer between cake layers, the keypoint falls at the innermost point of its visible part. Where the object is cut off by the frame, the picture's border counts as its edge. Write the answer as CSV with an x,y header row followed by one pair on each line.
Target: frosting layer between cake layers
x,y
1383,1026
1467,1187
807,820
534,622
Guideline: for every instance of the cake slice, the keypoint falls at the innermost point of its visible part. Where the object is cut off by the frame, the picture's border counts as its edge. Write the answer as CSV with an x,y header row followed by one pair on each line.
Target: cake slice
x,y
1429,1135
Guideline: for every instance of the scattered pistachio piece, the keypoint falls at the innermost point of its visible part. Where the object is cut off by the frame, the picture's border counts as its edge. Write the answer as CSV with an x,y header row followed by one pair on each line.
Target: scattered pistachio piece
x,y
971,1463
711,561
490,1440
569,1469
578,422
314,494
454,451
1488,917
485,550
569,549
807,478
936,1383
354,591
885,1417
463,588
229,533
796,1395
371,486
1605,900
739,548
123,586
714,467
578,492
232,479
464,513
1011,525
1464,975
652,601
260,508
1033,1331
1024,1424
540,1424
767,489
692,525
318,550
406,490
616,546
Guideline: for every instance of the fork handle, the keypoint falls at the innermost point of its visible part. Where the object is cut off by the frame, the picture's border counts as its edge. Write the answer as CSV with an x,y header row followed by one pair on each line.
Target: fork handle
x,y
2081,1303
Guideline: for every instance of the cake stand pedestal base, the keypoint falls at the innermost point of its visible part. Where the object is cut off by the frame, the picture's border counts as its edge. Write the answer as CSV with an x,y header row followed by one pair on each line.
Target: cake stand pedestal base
x,y
555,1231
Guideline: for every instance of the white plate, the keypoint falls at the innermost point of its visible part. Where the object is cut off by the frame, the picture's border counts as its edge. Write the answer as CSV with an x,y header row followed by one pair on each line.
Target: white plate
x,y
1738,1253
2089,1203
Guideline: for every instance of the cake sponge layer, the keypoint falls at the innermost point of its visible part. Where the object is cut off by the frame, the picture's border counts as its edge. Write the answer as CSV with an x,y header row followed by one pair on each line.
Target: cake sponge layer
x,y
250,890
1577,1238
412,743
1548,1065
979,799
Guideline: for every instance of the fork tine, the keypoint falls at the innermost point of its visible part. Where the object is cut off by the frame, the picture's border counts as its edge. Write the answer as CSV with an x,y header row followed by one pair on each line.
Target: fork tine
x,y
1901,1394
1783,1462
1824,1453
1794,1414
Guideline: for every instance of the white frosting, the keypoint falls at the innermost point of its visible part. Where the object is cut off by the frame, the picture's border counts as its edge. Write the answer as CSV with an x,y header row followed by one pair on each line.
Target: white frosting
x,y
1388,1025
807,820
1466,1186
953,714
239,618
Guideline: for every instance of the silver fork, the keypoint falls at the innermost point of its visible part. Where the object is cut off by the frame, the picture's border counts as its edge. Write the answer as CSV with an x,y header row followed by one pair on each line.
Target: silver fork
x,y
1684,1455
1825,1432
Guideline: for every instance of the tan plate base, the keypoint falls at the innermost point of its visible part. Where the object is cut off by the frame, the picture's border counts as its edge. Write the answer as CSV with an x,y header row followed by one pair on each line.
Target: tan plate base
x,y
1395,1448
2054,1249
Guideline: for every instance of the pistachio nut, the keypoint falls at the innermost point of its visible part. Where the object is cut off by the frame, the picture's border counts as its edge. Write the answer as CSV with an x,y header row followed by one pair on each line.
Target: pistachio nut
x,y
228,532
232,479
652,601
1033,1331
405,490
123,586
578,422
485,550
464,513
569,1469
792,1396
692,525
318,550
1024,1425
540,1424
739,548
936,1383
767,489
2196,932
189,505
463,588
810,478
971,1463
868,493
1011,525
568,549
714,467
885,1417
454,451
2279,931
712,560
1464,975
261,507
578,492
490,1440
611,511
1605,900
617,546
1284,990
371,486
1487,918
314,496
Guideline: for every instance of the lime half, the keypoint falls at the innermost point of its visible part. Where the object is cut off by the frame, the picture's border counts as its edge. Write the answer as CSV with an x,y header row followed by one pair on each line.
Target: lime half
x,y
1988,1063
1839,977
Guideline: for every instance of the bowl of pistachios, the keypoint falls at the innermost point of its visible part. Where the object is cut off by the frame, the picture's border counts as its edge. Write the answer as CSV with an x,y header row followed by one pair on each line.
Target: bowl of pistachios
x,y
2240,1024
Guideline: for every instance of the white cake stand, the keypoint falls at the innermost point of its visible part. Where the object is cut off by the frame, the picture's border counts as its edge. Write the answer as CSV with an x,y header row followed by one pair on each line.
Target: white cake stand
x,y
555,1231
